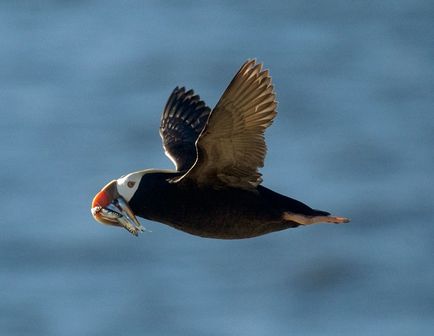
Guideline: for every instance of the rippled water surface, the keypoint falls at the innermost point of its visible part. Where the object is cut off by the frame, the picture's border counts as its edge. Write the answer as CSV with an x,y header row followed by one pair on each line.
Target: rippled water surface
x,y
82,85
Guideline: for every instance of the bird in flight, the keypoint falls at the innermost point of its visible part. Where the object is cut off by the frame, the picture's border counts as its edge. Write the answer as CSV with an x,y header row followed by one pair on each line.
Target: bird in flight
x,y
216,190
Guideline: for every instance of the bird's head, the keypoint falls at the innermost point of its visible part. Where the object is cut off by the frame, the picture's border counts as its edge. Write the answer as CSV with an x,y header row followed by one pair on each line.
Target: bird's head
x,y
110,206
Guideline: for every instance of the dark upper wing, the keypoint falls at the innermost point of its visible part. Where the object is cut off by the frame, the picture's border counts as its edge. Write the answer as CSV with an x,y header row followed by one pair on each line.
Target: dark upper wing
x,y
232,147
184,117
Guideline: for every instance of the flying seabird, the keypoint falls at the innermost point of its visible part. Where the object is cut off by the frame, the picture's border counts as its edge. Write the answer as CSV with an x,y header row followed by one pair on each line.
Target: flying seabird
x,y
216,190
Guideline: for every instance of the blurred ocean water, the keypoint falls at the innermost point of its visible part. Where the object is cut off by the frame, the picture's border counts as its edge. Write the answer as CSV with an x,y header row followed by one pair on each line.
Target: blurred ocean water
x,y
82,86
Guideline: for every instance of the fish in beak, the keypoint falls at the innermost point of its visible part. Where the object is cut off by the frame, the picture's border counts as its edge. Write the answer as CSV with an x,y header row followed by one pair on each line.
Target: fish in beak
x,y
108,207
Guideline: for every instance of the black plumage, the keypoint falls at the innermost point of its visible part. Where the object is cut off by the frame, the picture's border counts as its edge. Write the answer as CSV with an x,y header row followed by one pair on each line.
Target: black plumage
x,y
184,117
224,213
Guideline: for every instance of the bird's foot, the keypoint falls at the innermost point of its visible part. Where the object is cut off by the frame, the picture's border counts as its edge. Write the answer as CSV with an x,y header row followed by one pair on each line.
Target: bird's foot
x,y
307,220
336,220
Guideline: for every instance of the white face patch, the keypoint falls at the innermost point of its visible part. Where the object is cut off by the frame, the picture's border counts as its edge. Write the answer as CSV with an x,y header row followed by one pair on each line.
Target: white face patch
x,y
128,184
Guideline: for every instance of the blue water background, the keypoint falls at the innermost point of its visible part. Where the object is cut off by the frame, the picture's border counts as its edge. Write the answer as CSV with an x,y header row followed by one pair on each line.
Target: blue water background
x,y
82,86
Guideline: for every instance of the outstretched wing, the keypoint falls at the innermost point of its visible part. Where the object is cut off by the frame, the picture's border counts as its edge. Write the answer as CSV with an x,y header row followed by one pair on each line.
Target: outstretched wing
x,y
232,147
183,119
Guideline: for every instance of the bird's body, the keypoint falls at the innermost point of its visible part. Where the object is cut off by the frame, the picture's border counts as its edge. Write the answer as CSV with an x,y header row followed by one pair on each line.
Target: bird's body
x,y
226,213
215,191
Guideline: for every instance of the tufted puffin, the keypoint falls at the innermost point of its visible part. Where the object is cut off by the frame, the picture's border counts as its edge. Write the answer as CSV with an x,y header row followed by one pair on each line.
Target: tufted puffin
x,y
215,190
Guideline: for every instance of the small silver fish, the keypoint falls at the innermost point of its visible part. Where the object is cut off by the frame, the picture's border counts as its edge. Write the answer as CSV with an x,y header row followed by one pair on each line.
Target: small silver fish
x,y
108,213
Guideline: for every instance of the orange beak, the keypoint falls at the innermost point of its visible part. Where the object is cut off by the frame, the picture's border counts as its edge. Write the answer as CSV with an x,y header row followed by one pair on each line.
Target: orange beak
x,y
108,207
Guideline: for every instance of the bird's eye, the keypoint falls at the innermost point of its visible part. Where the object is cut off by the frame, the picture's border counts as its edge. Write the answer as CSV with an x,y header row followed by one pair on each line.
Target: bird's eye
x,y
131,184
